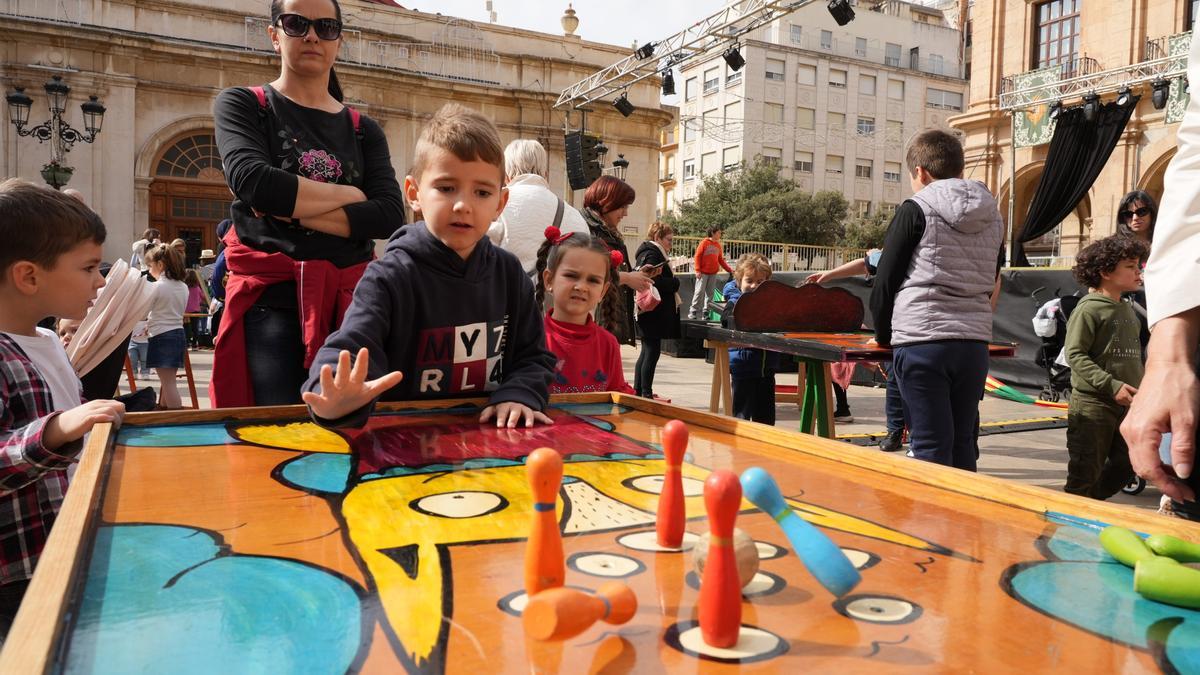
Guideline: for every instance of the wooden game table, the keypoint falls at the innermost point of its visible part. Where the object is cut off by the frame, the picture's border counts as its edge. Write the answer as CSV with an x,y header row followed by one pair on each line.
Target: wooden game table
x,y
814,352
249,540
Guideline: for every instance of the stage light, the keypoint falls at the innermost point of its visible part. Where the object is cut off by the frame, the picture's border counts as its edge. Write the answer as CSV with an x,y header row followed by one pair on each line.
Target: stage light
x,y
1124,96
733,57
623,105
1091,107
645,51
841,11
1056,109
1161,91
668,83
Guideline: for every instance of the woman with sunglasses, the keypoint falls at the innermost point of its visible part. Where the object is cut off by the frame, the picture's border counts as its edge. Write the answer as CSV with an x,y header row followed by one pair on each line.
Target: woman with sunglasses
x,y
314,186
1136,216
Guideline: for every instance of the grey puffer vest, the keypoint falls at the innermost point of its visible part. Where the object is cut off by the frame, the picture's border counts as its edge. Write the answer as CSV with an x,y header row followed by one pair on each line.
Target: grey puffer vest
x,y
947,293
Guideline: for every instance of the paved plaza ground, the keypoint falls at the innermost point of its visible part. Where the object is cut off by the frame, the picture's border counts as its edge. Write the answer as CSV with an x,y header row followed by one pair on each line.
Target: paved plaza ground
x,y
1031,457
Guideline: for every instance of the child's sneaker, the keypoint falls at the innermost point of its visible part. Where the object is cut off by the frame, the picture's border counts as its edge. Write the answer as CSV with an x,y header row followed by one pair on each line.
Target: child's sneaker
x,y
843,417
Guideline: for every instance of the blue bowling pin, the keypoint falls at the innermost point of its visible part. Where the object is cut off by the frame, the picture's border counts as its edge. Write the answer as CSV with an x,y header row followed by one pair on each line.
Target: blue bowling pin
x,y
819,554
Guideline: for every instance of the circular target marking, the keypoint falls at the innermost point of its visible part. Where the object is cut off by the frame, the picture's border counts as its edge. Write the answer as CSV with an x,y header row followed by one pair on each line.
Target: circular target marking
x,y
514,603
653,483
769,551
884,609
754,644
762,583
648,541
609,565
460,504
861,559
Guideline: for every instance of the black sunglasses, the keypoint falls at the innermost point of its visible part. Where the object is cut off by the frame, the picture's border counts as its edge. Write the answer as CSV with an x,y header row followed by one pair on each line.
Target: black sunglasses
x,y
294,25
1140,212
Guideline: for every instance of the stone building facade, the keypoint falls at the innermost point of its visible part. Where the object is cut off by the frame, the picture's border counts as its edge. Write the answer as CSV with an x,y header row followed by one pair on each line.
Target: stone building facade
x,y
158,65
1013,40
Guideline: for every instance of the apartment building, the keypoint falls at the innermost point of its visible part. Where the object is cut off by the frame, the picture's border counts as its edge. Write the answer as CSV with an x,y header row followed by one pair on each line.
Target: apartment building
x,y
832,106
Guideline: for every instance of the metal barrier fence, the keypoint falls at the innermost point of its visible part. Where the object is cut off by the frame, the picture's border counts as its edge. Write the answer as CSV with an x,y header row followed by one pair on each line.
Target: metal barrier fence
x,y
783,257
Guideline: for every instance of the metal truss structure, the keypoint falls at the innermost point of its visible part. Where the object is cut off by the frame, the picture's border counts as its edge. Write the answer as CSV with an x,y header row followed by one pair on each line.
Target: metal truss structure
x,y
712,33
1102,82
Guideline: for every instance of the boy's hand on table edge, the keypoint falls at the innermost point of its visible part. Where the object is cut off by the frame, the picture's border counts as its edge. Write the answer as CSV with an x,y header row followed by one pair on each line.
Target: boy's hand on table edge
x,y
510,413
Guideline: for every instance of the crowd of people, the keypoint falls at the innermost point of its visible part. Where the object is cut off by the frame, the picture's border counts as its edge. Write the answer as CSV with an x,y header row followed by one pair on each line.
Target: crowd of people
x,y
501,289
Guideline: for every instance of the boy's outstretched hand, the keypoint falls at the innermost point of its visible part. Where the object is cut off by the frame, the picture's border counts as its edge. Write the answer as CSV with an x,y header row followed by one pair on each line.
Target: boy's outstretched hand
x,y
347,390
509,413
72,424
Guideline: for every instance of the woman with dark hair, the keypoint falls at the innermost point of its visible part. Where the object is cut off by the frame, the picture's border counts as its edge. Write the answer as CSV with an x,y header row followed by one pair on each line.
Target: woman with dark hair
x,y
1136,216
314,186
605,205
662,322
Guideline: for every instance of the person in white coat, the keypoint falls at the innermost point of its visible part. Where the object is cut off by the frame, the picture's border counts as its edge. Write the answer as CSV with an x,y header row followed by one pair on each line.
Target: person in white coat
x,y
532,205
1169,398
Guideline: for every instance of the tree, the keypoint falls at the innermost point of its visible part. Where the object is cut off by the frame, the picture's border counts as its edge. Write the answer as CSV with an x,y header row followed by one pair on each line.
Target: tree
x,y
866,231
756,203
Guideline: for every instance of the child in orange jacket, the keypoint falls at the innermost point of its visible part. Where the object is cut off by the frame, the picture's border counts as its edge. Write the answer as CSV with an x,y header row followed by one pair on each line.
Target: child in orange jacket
x,y
710,259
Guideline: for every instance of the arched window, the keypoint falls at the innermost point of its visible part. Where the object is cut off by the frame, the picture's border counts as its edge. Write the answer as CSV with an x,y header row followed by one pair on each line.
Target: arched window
x,y
194,157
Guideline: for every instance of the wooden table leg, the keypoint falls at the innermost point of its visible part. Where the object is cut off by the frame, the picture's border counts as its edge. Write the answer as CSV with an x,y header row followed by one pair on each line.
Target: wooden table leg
x,y
827,393
726,382
716,387
187,368
801,365
808,397
129,374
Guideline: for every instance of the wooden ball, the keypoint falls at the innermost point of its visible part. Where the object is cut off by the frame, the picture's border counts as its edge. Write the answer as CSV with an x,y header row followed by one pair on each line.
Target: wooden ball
x,y
744,551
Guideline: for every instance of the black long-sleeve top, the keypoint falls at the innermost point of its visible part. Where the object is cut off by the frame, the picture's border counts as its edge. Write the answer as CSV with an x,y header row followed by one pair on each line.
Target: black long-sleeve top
x,y
903,235
264,152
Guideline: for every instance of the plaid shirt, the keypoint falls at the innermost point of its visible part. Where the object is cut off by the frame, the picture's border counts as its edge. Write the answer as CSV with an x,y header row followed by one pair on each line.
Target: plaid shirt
x,y
33,480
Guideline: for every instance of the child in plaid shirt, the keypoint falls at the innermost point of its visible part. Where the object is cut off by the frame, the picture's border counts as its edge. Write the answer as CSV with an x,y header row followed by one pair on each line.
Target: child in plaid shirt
x,y
49,266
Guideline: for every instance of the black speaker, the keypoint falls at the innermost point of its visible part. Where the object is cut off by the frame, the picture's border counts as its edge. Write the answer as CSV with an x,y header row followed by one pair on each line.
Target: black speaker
x,y
583,159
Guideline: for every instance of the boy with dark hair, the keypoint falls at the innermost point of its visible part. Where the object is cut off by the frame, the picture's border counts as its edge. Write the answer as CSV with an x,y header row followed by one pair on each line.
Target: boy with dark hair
x,y
1105,354
932,299
49,266
453,313
710,260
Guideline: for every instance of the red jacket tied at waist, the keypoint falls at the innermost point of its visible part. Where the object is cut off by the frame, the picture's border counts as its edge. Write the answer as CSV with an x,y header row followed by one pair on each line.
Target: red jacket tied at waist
x,y
324,292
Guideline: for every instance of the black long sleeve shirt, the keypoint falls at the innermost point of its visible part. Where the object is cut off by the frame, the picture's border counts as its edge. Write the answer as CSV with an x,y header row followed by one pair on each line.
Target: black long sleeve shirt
x,y
264,152
903,235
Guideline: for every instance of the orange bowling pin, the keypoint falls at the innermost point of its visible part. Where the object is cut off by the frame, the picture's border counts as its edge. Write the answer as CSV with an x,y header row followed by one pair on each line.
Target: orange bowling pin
x,y
720,589
544,565
563,613
672,511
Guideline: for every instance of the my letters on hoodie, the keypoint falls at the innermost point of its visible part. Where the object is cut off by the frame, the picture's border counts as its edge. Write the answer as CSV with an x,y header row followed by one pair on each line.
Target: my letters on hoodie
x,y
461,359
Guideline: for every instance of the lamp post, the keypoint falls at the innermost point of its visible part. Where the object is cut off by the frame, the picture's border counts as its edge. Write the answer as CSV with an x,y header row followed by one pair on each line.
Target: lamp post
x,y
620,166
62,136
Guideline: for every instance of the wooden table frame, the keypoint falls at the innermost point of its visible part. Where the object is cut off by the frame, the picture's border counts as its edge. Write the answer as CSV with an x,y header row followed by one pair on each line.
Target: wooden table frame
x,y
35,636
814,381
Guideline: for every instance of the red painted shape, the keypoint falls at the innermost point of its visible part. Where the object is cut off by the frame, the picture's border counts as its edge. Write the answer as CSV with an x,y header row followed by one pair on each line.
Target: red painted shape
x,y
720,590
672,511
775,306
544,563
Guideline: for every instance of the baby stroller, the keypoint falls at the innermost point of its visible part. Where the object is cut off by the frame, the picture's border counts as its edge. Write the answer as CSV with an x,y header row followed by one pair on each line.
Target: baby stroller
x,y
1050,324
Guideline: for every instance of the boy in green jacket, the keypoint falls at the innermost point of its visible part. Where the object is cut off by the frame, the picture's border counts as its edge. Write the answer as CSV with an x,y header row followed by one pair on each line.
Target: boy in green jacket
x,y
1105,355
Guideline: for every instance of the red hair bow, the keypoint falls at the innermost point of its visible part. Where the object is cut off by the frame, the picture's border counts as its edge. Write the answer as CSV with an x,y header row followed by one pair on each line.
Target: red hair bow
x,y
555,235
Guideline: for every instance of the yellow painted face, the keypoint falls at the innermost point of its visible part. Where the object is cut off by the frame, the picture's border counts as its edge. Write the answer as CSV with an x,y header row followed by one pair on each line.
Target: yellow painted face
x,y
402,526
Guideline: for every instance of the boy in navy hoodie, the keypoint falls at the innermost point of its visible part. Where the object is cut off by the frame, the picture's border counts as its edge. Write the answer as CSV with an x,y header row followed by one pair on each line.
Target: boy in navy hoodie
x,y
751,371
443,313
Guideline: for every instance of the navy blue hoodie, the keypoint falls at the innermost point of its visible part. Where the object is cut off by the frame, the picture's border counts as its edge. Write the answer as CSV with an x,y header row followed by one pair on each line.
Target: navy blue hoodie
x,y
454,327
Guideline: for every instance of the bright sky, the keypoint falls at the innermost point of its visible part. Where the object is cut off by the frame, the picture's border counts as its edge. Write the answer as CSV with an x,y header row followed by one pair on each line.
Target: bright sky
x,y
618,22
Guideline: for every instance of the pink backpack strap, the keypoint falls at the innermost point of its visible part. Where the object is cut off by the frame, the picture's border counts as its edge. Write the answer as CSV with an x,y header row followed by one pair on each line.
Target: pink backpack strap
x,y
260,94
356,120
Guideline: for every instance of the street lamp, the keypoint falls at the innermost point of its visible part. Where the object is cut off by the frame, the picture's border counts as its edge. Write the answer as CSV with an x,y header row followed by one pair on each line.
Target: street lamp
x,y
620,166
62,136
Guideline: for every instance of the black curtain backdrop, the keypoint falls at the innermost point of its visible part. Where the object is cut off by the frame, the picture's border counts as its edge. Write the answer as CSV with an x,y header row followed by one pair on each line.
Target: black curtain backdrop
x,y
1078,152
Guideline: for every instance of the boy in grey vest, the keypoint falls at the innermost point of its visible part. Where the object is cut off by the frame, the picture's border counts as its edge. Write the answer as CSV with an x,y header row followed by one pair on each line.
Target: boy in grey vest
x,y
932,299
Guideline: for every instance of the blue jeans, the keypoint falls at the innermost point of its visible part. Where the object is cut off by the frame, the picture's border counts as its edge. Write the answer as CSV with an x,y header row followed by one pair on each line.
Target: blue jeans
x,y
138,351
893,402
941,383
275,355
